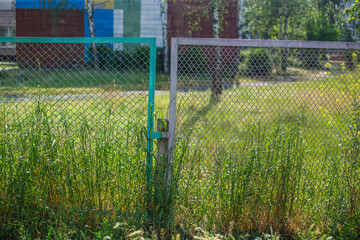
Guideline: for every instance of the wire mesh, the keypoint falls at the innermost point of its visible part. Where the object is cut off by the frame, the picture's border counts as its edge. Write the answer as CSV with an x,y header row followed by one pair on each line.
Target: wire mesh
x,y
76,115
268,135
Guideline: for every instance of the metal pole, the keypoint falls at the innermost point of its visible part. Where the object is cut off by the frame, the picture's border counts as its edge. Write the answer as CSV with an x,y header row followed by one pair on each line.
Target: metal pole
x,y
172,110
150,127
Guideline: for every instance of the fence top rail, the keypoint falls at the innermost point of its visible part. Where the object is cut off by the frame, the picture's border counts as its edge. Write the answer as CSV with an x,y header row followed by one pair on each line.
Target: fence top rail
x,y
75,40
266,43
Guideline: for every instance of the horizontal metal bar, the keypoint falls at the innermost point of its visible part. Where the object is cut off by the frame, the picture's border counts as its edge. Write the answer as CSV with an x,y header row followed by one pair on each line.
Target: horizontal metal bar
x,y
159,135
74,40
267,43
7,51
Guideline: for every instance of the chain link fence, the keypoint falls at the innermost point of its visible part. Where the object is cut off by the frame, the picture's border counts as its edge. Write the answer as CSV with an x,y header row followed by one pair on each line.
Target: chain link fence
x,y
268,133
75,124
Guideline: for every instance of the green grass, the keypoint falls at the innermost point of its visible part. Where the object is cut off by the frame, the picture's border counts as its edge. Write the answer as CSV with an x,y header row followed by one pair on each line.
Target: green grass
x,y
75,168
275,156
76,161
32,82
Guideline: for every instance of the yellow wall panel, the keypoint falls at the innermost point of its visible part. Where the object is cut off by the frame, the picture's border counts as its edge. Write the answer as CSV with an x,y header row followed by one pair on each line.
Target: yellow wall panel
x,y
102,4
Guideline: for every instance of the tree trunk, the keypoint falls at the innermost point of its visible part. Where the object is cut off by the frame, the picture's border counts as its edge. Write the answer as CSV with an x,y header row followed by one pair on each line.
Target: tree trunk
x,y
164,7
285,50
286,21
235,71
281,27
216,84
240,17
92,32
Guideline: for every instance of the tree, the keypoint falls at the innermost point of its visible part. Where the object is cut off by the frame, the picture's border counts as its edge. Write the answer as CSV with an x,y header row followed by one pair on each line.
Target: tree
x,y
240,18
163,12
213,10
216,84
90,12
239,33
277,19
217,11
354,12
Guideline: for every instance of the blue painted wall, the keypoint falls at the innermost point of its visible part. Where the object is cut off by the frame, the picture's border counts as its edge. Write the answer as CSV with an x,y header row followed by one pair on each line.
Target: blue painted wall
x,y
41,4
104,23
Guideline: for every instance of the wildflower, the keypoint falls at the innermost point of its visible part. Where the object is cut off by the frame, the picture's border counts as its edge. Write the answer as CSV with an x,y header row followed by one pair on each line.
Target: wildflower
x,y
321,95
351,150
354,55
343,93
358,132
337,100
320,108
328,65
343,68
343,64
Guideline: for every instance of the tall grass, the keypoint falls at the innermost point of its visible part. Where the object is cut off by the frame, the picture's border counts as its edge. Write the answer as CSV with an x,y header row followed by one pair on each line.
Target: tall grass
x,y
76,169
277,157
60,179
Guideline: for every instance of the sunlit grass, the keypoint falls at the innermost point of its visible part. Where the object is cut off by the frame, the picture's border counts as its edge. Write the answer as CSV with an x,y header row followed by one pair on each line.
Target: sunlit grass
x,y
271,156
285,158
19,83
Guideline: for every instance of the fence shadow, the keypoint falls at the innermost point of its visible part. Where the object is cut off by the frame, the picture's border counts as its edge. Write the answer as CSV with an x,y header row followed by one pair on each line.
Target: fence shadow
x,y
191,122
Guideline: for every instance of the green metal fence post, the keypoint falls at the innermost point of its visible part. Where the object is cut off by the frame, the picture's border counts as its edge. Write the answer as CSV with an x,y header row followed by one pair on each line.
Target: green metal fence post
x,y
150,128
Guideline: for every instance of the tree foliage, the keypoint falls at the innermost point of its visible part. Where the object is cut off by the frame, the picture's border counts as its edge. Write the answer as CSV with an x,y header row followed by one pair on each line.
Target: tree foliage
x,y
266,19
354,12
295,19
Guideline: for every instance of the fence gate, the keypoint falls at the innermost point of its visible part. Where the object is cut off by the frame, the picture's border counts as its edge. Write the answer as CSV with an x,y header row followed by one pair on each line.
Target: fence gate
x,y
265,128
84,102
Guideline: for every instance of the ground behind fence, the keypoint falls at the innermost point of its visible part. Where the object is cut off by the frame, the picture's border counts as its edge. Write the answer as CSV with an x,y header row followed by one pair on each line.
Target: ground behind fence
x,y
267,141
271,134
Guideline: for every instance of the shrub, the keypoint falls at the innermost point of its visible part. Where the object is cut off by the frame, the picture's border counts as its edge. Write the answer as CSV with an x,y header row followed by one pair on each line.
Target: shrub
x,y
106,56
259,63
160,59
3,75
350,59
242,57
130,57
192,60
310,58
317,31
139,58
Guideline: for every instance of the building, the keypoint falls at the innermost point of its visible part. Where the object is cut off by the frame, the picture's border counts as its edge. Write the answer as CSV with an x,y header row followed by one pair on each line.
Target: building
x,y
7,28
113,18
7,18
119,18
